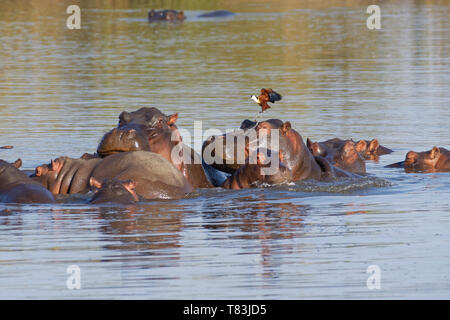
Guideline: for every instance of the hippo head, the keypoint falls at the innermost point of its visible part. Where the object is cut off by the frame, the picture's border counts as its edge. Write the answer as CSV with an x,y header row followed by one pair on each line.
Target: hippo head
x,y
146,129
348,158
371,150
427,161
9,172
230,150
165,15
113,190
290,143
16,164
47,174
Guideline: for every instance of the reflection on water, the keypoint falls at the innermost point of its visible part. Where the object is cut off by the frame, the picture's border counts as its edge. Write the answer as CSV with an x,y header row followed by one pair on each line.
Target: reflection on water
x,y
61,89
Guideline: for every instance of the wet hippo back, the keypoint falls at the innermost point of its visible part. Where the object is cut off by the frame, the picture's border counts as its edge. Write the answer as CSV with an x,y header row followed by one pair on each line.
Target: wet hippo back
x,y
216,14
155,177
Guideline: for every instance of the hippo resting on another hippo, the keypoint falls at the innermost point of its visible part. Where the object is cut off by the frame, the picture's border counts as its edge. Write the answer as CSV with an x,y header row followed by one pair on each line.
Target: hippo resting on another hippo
x,y
293,154
149,129
17,187
434,160
154,176
170,15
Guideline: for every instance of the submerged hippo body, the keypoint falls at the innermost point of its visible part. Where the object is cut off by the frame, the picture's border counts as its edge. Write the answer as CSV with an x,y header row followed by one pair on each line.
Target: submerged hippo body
x,y
341,153
149,129
17,187
155,177
434,160
216,14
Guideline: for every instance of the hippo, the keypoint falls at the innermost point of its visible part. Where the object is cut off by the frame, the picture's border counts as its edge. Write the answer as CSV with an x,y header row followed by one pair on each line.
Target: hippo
x,y
165,15
155,177
252,175
434,160
148,129
341,153
17,187
170,15
114,191
371,150
294,154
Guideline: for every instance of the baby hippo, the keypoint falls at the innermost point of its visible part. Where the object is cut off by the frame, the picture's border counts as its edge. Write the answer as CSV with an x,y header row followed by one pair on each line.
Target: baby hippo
x,y
17,187
434,160
262,172
113,190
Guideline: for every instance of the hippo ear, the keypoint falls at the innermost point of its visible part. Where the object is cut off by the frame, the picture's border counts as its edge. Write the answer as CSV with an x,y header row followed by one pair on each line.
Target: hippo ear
x,y
309,143
172,119
124,118
56,165
130,185
286,127
435,152
373,145
17,163
361,146
38,171
95,183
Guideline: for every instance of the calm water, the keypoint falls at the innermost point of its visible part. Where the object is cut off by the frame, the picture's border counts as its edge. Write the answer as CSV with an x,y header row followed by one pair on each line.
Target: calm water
x,y
61,89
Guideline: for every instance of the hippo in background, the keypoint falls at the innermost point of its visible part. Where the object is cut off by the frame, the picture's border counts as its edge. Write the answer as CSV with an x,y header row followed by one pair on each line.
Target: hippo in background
x,y
217,14
17,187
165,15
434,160
155,177
170,15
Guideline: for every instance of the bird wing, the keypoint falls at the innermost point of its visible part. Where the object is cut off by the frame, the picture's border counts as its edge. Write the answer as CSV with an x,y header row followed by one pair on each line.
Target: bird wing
x,y
274,96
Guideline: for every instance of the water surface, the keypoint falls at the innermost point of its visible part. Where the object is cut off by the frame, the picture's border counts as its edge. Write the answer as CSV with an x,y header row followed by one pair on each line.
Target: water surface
x,y
61,89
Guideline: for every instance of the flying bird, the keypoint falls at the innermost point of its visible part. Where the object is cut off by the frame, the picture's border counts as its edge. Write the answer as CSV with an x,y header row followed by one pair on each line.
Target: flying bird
x,y
267,95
